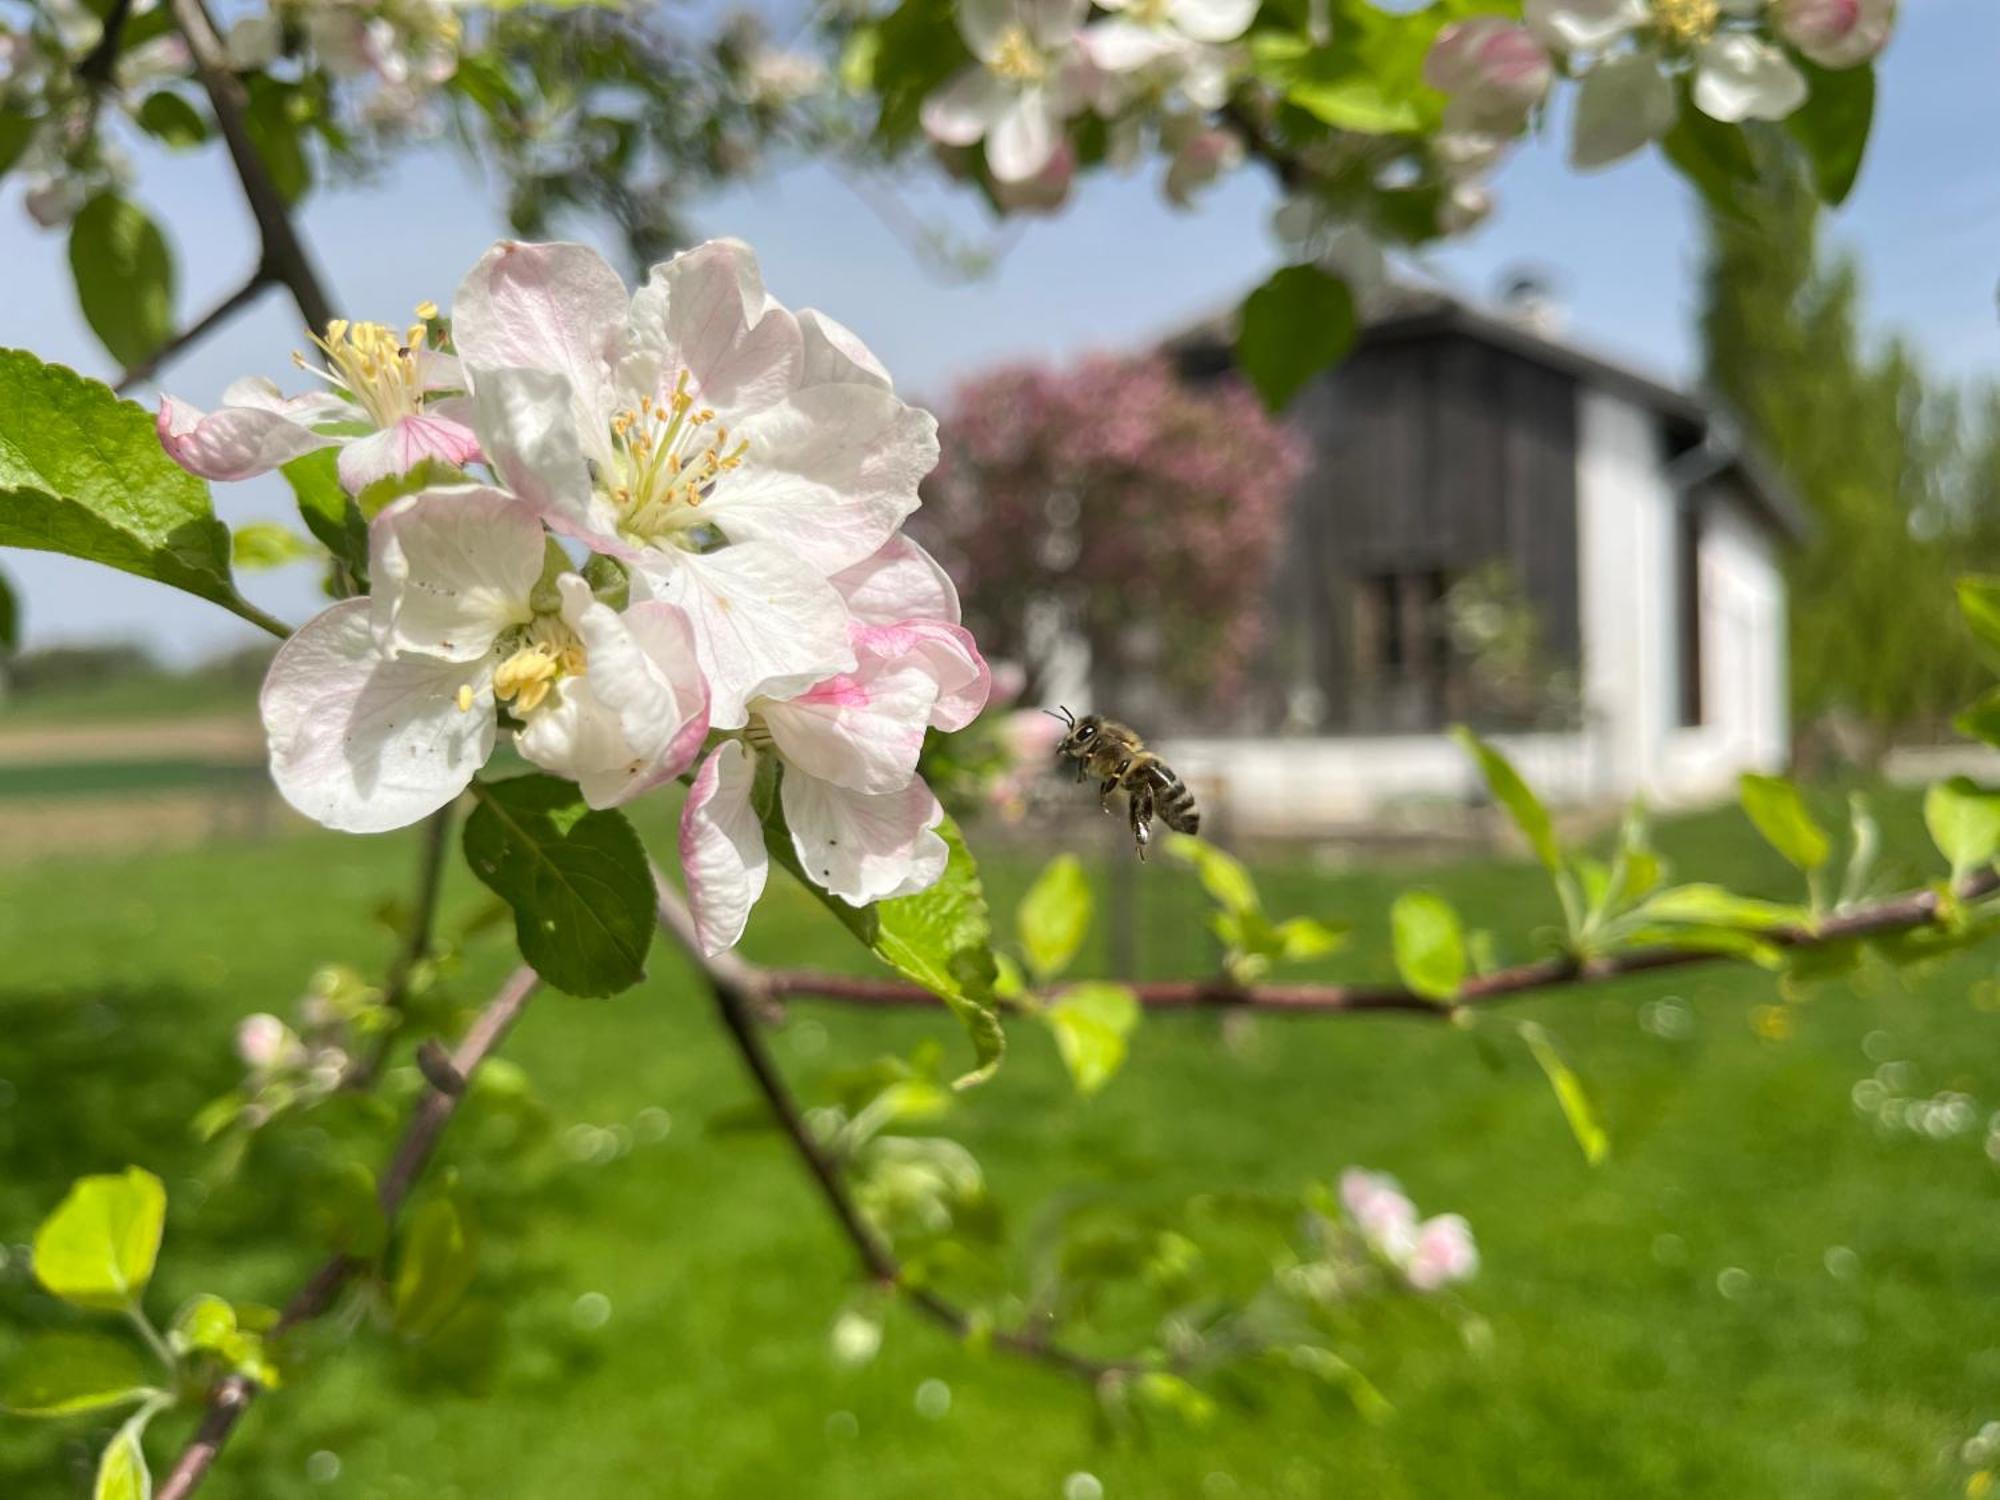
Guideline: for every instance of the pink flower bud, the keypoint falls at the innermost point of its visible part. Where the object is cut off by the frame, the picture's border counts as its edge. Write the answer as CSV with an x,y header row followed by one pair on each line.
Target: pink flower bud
x,y
1495,71
264,1042
1836,33
1444,1253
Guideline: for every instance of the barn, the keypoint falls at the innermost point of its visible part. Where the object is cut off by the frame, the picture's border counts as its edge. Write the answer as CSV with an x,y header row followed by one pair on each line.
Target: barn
x,y
1502,528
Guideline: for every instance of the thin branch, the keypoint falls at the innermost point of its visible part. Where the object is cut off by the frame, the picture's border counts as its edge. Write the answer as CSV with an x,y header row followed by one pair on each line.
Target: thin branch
x,y
228,1401
740,992
101,60
198,330
417,944
1907,912
285,258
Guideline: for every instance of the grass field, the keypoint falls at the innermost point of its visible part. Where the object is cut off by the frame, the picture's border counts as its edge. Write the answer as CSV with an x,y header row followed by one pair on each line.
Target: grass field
x,y
1759,1294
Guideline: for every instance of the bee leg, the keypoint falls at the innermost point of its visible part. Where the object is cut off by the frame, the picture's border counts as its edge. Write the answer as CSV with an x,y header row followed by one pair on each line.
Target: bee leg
x,y
1141,806
1104,792
1081,767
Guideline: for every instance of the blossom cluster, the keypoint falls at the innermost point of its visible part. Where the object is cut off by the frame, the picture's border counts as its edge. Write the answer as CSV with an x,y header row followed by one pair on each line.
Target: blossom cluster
x,y
391,55
1630,57
1430,1255
651,536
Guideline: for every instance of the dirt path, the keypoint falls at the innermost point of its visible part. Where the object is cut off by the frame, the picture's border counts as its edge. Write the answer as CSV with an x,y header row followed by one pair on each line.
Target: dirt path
x,y
231,739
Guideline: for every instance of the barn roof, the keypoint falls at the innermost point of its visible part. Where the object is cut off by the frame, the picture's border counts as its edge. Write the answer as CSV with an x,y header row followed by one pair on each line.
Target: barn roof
x,y
1710,447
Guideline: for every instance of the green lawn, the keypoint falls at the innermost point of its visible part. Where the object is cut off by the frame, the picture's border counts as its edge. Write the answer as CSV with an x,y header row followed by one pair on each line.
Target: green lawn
x,y
1622,1360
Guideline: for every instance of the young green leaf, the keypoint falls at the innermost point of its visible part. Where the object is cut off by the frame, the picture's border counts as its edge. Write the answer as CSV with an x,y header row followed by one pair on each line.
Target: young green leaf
x,y
1054,916
98,1248
1221,875
122,1473
1712,906
576,878
266,544
1713,156
1779,813
1092,1022
169,118
329,512
1430,944
433,1268
1515,796
1981,721
1300,938
64,1374
1570,1094
1295,325
1964,823
941,938
1979,602
83,473
1833,126
124,277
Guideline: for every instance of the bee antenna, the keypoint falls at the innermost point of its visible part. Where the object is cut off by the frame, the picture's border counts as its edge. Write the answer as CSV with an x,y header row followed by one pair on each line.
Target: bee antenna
x,y
1061,713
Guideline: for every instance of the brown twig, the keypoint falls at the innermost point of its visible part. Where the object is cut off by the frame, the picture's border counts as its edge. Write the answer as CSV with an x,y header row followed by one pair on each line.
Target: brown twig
x,y
416,945
198,330
1903,913
228,1401
284,259
741,991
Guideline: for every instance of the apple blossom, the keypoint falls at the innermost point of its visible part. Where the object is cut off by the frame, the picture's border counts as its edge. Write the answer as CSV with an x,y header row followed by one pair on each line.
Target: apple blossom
x,y
861,820
1444,1253
1201,154
394,403
1496,72
1430,1255
1835,33
1026,80
380,710
733,455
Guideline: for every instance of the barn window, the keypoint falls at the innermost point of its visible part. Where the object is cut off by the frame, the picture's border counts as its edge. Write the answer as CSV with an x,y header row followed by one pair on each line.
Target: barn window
x,y
1687,611
1402,634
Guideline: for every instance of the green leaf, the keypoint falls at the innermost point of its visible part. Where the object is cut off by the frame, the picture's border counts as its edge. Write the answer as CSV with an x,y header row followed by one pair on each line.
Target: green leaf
x,y
1295,325
1054,916
1833,125
1779,814
1366,76
1221,875
97,1249
1964,822
1570,1094
1430,944
1982,720
124,277
122,1473
207,1322
1714,157
576,878
82,473
330,513
266,544
63,1374
10,618
1515,796
167,117
1300,938
17,131
1979,602
1092,1022
1713,906
434,1267
277,131
941,938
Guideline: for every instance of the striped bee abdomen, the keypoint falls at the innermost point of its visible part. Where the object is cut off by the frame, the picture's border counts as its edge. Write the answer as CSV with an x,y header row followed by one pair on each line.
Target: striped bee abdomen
x,y
1174,802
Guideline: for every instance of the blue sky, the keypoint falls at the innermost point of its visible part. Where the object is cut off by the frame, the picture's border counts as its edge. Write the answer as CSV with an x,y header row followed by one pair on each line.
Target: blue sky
x,y
1118,268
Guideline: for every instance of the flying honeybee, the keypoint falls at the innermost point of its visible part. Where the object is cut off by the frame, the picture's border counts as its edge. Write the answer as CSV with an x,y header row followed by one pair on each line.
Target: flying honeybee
x,y
1106,749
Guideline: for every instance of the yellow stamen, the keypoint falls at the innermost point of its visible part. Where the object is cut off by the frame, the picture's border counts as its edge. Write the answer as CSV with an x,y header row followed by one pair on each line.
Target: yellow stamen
x,y
1687,23
465,698
427,310
1016,57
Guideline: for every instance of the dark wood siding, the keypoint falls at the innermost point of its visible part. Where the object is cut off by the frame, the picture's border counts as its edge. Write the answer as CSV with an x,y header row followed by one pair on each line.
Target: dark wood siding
x,y
1433,456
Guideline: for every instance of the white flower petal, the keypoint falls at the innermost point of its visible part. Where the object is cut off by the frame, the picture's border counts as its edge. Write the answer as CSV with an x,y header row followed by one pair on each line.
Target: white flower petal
x,y
452,568
528,430
1740,78
863,729
236,442
834,354
1212,20
1121,46
364,743
965,108
1623,103
1024,138
1052,24
559,308
399,448
642,667
900,582
722,846
864,848
1583,25
830,473
985,23
764,622
947,652
706,312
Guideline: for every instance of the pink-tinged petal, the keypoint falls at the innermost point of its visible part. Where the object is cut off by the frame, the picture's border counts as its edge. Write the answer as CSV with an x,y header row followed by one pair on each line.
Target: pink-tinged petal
x,y
971,104
830,473
439,371
765,624
1023,140
527,427
258,393
706,312
1445,1252
363,742
236,442
722,846
834,354
864,848
862,730
452,568
395,450
642,667
901,581
559,308
947,652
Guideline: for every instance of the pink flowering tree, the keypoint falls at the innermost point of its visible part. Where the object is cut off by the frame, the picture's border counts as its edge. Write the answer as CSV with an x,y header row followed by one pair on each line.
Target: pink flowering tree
x,y
1147,508
660,546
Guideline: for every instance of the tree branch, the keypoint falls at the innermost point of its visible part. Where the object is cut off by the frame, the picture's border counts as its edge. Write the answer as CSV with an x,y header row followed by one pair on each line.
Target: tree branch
x,y
1903,913
228,1401
740,992
284,259
198,330
416,945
